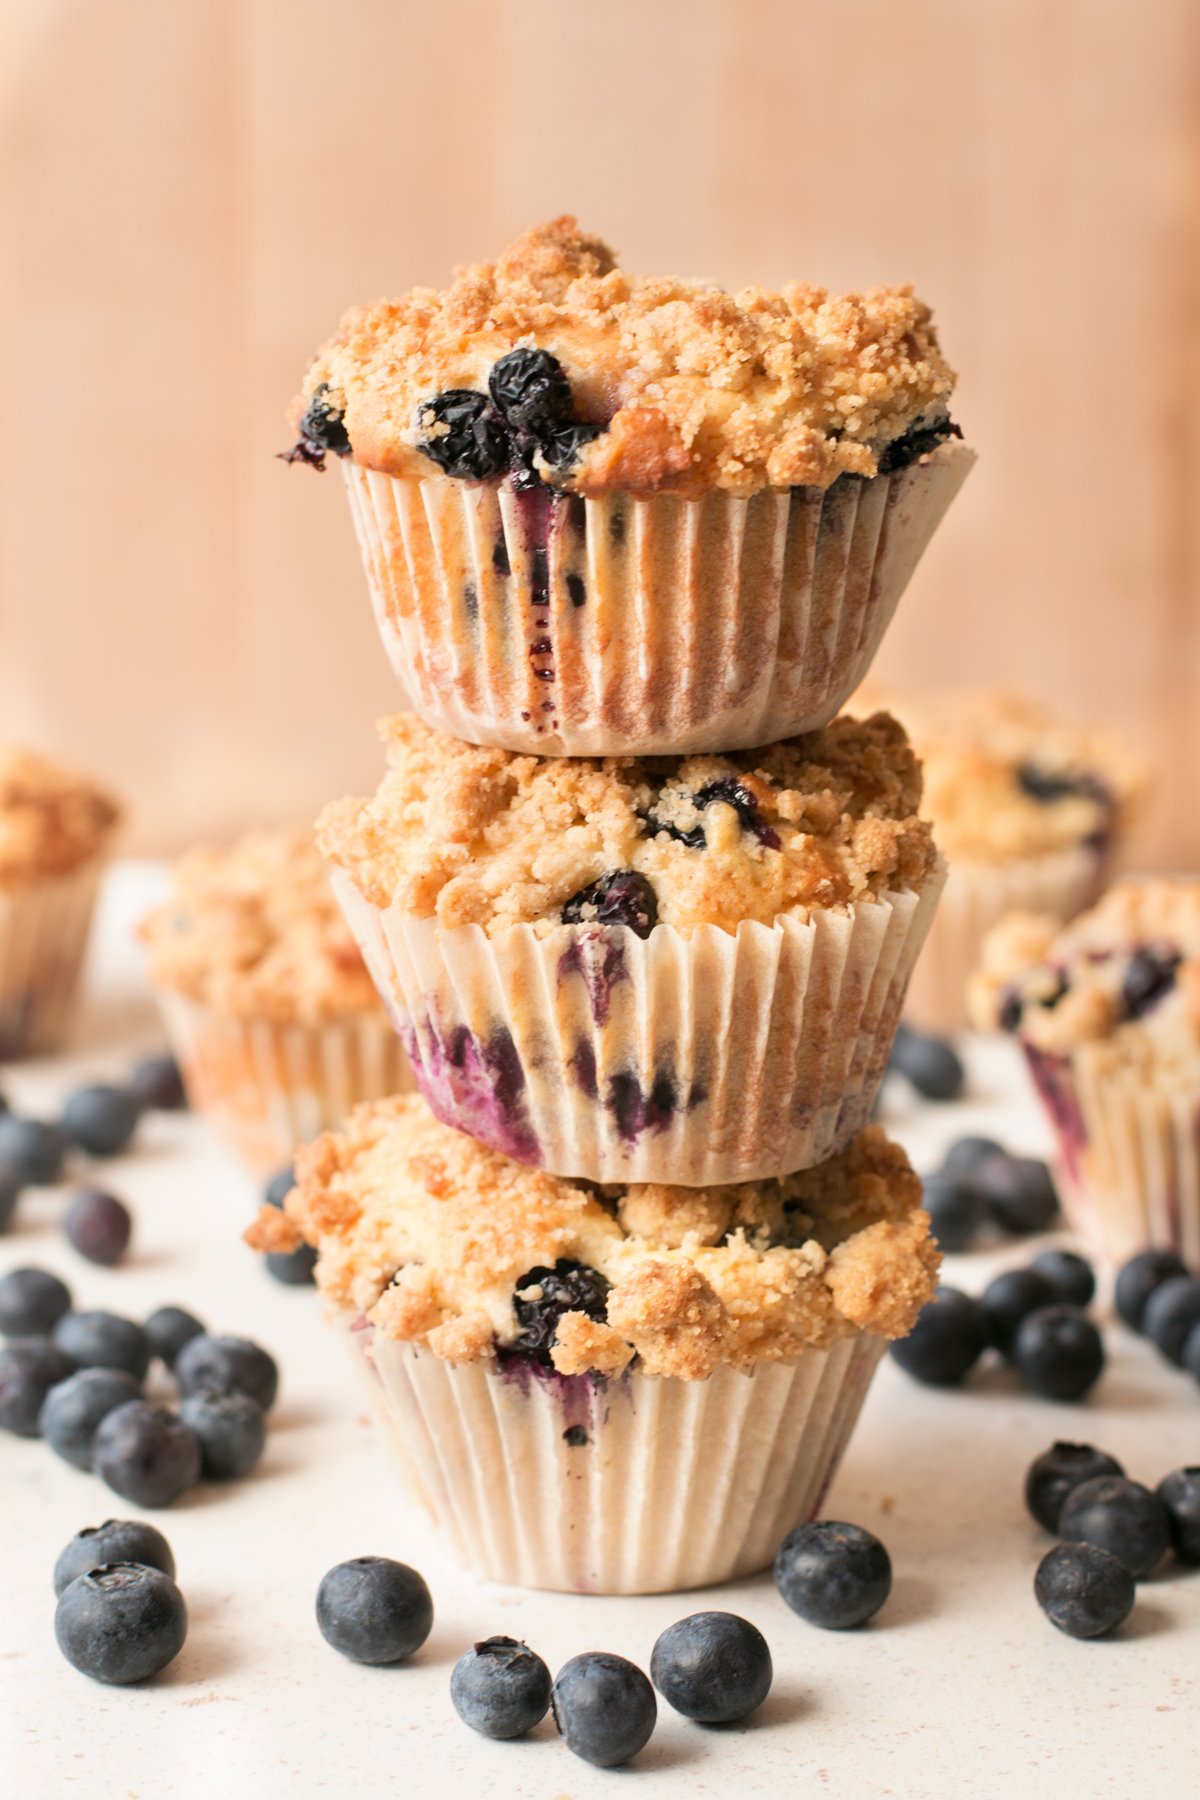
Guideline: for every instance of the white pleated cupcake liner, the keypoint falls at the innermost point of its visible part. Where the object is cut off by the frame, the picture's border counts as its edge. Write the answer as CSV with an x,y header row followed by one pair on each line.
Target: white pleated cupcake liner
x,y
1129,1156
43,938
692,1059
977,896
629,625
267,1088
643,1484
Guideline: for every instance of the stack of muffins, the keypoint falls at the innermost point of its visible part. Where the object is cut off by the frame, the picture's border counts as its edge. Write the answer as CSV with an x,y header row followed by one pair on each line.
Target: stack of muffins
x,y
645,921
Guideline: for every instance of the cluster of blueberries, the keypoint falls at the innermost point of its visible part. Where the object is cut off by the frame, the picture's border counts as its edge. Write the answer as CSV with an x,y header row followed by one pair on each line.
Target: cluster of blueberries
x,y
1115,1533
1156,1296
76,1380
293,1267
981,1187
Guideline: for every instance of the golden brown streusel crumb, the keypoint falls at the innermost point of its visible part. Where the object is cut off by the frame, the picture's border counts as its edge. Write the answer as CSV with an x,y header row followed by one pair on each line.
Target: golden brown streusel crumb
x,y
431,1235
693,387
480,836
52,820
253,930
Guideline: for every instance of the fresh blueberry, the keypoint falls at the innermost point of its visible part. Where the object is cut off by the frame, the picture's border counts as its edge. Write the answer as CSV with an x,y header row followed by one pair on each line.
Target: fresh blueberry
x,y
1120,1516
374,1610
932,1064
834,1575
99,1226
949,1337
169,1329
1057,1471
461,432
1149,978
156,1083
103,1340
1172,1314
531,389
1083,1590
1180,1494
100,1118
232,1430
1191,1352
29,1368
955,1209
1139,1278
295,1268
121,1623
33,1147
1011,1297
1058,1352
72,1411
228,1365
32,1301
623,898
10,1192
713,1667
117,1540
542,1297
500,1688
146,1454
966,1153
1072,1277
1019,1193
604,1708
280,1186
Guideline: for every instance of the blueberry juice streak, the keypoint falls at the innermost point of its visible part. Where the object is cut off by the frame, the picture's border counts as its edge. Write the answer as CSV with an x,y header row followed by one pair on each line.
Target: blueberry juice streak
x,y
1052,1079
546,516
474,1084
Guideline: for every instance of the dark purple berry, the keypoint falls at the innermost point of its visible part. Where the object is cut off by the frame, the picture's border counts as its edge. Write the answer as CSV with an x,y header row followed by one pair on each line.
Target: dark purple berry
x,y
1058,1352
731,792
1011,1297
544,1295
169,1329
280,1186
713,1667
1119,1516
100,1118
955,1209
500,1688
1180,1494
98,1226
1072,1277
949,1337
604,1708
72,1410
834,1575
103,1340
146,1454
374,1610
1019,1193
1083,1590
232,1430
228,1365
294,1268
561,446
33,1147
1057,1472
157,1085
121,1623
917,441
531,389
322,429
117,1540
931,1063
1139,1278
462,434
32,1301
10,1192
1047,786
966,1153
1171,1315
1149,977
623,898
29,1368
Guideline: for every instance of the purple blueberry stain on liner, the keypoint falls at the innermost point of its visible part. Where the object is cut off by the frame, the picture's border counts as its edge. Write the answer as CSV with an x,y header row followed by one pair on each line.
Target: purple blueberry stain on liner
x,y
477,1086
598,958
1052,1079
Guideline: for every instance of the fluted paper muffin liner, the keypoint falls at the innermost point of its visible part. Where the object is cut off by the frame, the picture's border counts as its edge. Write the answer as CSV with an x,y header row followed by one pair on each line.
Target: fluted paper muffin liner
x,y
268,1088
43,937
694,1059
642,1484
630,625
1129,1155
977,896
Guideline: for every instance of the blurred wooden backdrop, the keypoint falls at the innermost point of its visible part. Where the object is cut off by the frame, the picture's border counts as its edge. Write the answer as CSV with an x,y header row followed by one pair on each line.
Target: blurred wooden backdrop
x,y
190,193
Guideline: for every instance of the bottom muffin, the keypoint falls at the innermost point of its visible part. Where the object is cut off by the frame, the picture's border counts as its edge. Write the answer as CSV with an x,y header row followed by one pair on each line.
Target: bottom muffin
x,y
608,1389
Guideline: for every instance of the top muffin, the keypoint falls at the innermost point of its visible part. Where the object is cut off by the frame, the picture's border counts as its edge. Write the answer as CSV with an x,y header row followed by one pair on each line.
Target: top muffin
x,y
554,364
52,820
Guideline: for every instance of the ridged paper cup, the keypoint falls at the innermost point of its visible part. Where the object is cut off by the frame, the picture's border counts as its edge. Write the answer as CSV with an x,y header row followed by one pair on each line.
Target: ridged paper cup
x,y
43,937
695,1059
1129,1155
267,1088
976,897
642,1484
629,625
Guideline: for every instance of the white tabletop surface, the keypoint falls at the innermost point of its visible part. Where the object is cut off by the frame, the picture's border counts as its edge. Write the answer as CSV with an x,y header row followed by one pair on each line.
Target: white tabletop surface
x,y
959,1688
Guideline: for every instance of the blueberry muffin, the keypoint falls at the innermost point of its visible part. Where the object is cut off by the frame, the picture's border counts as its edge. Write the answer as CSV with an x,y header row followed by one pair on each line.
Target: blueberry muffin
x,y
674,1373
267,1002
677,968
56,830
603,513
1107,1012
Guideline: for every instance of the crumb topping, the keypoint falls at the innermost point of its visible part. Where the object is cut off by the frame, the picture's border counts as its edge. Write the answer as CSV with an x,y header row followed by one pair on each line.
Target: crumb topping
x,y
52,820
432,1236
471,835
253,930
678,385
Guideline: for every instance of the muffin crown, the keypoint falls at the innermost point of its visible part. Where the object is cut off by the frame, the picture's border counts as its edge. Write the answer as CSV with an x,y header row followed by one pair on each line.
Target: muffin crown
x,y
52,820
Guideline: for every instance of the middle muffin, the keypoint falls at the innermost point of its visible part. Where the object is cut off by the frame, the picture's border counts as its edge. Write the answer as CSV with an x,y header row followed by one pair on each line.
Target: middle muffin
x,y
673,969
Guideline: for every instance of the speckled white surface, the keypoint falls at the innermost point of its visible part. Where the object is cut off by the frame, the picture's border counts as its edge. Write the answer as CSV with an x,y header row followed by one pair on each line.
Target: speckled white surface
x,y
959,1688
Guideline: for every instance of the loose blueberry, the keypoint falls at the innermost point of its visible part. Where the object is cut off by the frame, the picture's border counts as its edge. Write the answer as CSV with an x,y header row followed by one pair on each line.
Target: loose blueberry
x,y
146,1454
228,1365
549,1293
1119,1516
34,1148
462,434
29,1368
374,1610
623,898
966,1153
955,1209
1083,1590
169,1329
72,1411
1191,1352
604,1708
32,1301
1057,1472
121,1623
99,1226
932,1064
713,1667
834,1575
1139,1278
1011,1297
1058,1352
232,1431
101,1119
1019,1193
156,1083
103,1340
295,1268
10,1192
1072,1277
1180,1494
1172,1314
949,1337
116,1541
280,1186
1149,978
531,389
500,1688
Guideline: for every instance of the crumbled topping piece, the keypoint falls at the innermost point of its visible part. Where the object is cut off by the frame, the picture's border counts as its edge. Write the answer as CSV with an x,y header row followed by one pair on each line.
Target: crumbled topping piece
x,y
51,819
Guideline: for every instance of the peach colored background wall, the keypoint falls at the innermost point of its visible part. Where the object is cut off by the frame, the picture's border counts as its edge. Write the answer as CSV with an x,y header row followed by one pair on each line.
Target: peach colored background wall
x,y
190,193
